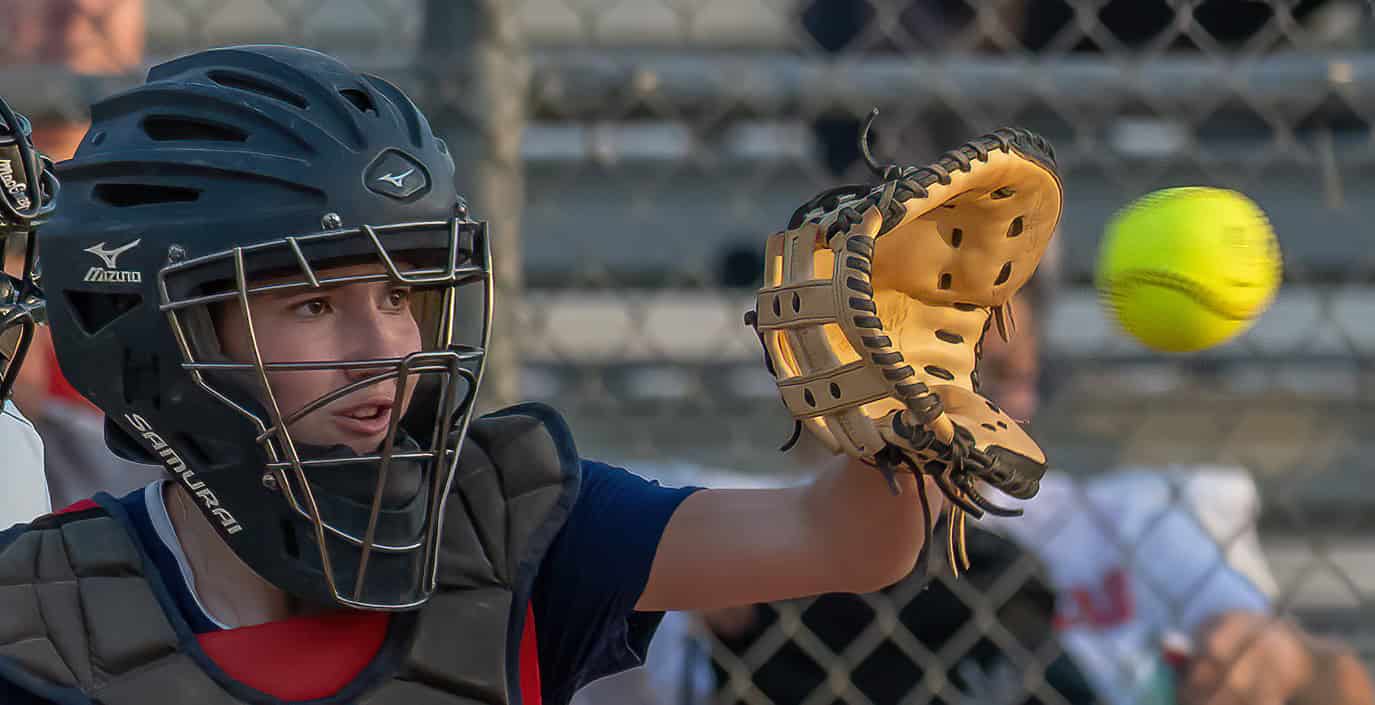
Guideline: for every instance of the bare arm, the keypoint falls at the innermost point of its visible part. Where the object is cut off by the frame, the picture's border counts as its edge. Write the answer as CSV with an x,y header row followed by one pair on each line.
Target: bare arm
x,y
845,532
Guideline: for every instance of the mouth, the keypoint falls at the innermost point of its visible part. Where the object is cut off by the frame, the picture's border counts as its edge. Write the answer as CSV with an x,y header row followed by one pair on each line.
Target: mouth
x,y
367,419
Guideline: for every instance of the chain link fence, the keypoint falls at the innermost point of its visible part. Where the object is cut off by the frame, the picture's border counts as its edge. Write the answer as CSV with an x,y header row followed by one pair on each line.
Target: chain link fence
x,y
632,155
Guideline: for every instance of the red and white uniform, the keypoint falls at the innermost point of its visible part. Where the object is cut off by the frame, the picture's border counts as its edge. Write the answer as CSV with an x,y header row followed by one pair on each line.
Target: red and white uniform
x,y
1141,557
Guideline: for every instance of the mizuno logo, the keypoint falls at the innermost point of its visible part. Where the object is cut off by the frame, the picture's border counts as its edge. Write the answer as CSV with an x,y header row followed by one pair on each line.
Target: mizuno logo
x,y
96,275
395,175
111,256
397,180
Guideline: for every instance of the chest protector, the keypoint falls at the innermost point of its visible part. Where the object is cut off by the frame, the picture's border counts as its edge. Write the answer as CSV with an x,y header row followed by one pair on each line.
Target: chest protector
x,y
83,617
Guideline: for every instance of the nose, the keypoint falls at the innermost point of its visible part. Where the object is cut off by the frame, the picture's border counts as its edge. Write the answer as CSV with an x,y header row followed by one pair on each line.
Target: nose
x,y
377,335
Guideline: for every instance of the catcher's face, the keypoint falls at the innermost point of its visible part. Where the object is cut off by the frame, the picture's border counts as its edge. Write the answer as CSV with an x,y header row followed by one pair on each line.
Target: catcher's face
x,y
361,321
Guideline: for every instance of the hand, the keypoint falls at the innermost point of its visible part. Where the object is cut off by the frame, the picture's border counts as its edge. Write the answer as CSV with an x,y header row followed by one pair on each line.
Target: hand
x,y
1246,658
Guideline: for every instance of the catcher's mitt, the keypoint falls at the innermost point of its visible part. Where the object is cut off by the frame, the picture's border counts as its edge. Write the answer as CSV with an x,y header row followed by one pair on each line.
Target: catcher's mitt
x,y
874,307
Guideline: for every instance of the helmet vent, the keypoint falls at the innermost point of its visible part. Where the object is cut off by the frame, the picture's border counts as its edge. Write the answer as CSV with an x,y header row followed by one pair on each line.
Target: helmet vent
x,y
95,310
290,545
360,100
165,128
245,82
128,195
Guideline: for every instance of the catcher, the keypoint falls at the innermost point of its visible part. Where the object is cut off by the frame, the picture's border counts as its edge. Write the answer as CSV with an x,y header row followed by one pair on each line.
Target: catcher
x,y
28,192
261,265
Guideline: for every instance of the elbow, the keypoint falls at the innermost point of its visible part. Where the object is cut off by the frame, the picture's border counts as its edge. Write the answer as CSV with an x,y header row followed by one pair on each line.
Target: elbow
x,y
889,561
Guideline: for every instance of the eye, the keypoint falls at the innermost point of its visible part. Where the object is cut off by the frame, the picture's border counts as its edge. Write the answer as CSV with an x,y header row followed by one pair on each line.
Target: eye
x,y
311,308
398,298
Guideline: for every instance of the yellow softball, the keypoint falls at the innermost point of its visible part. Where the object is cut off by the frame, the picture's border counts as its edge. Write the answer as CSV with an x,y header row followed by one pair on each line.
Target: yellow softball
x,y
1185,269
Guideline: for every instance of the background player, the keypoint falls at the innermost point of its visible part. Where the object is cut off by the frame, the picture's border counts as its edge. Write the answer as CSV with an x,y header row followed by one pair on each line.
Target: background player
x,y
28,191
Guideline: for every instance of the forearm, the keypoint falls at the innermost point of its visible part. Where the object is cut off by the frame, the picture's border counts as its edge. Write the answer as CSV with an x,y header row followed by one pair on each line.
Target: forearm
x,y
844,532
870,534
1339,677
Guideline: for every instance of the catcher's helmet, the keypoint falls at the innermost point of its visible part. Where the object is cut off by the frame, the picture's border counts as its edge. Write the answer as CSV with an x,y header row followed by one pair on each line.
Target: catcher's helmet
x,y
226,168
28,193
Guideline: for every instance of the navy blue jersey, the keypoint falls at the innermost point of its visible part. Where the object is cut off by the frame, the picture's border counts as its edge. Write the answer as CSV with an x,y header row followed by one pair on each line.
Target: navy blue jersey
x,y
584,596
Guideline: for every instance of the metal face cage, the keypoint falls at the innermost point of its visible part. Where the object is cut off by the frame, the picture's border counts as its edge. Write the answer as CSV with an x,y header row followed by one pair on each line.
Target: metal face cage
x,y
28,195
21,310
438,261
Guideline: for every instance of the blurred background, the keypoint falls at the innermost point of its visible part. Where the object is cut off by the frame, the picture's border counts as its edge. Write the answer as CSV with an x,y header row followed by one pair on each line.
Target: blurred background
x,y
633,154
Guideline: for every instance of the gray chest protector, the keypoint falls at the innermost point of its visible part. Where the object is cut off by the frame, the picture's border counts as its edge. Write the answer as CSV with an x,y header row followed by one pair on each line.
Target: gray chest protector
x,y
81,622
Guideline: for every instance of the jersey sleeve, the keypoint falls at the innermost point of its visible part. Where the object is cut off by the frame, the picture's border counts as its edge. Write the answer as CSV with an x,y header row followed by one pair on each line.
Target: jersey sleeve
x,y
26,486
594,573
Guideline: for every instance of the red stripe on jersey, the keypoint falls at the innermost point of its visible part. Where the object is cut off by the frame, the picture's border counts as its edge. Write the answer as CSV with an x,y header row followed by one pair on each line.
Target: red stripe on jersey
x,y
81,506
529,661
305,658
302,658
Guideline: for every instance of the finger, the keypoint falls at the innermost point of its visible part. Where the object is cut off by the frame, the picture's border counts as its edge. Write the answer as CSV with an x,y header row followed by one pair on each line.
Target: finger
x,y
1244,680
1221,637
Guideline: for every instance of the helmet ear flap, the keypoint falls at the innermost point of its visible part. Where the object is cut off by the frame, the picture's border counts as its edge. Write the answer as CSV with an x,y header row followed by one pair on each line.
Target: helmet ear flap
x,y
201,328
124,446
442,318
202,334
424,412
